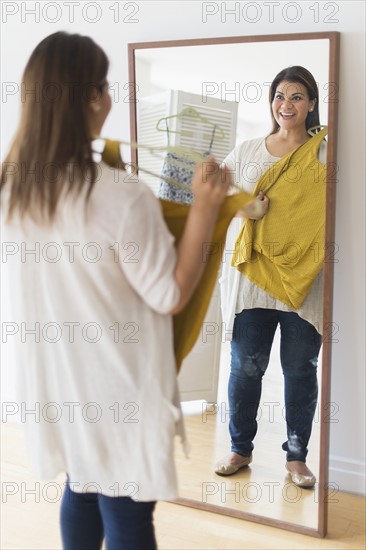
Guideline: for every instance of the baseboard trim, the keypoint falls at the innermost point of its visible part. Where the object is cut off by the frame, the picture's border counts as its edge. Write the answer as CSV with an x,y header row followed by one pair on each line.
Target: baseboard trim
x,y
347,474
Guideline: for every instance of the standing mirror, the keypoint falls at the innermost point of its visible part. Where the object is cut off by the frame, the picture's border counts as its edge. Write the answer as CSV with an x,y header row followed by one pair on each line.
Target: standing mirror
x,y
224,83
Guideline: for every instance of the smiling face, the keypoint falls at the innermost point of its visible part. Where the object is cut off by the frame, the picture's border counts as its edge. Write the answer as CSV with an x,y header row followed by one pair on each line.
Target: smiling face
x,y
291,105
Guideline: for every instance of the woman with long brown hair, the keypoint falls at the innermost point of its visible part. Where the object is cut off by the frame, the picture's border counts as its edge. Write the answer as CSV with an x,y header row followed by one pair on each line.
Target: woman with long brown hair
x,y
95,280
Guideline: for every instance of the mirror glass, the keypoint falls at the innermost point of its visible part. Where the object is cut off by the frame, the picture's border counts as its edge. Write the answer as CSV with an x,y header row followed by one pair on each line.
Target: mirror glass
x,y
228,85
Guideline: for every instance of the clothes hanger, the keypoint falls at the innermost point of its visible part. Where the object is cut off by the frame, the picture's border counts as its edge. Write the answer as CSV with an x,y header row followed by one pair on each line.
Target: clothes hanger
x,y
188,153
191,112
111,154
319,127
109,150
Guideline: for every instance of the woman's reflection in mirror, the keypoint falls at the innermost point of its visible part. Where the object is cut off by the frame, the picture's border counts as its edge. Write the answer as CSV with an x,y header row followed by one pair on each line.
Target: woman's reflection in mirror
x,y
281,287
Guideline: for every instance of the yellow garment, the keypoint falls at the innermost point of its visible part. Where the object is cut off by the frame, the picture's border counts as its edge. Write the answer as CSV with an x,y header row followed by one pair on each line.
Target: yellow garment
x,y
284,251
187,324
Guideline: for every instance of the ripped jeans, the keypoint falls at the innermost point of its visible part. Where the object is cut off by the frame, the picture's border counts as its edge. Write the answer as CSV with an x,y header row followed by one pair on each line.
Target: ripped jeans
x,y
253,334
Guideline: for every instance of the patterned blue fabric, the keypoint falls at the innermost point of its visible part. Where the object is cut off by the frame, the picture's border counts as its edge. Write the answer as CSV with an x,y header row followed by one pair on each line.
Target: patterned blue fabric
x,y
181,170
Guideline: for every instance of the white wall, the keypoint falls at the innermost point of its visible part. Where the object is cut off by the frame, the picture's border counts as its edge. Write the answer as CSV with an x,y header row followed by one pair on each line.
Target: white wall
x,y
179,20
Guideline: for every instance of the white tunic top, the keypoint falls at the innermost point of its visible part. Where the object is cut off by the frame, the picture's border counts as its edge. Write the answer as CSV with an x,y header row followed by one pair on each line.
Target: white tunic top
x,y
98,370
248,162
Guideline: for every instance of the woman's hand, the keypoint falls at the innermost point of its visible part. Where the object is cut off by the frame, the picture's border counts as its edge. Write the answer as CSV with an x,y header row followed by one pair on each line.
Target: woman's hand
x,y
256,209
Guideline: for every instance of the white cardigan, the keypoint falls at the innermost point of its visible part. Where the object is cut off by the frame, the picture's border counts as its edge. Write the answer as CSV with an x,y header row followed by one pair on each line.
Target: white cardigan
x,y
99,368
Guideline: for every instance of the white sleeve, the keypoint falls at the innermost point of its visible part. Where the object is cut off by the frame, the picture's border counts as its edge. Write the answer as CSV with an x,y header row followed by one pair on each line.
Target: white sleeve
x,y
229,160
236,161
322,152
150,270
231,164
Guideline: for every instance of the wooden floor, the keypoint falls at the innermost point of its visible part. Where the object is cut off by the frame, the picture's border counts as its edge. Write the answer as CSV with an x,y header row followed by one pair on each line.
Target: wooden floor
x,y
30,521
264,488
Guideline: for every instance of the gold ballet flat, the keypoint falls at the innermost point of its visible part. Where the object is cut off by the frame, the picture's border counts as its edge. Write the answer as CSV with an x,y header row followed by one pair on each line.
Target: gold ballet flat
x,y
225,468
301,480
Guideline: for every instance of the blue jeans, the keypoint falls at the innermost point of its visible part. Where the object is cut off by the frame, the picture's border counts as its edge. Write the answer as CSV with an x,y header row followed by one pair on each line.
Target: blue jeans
x,y
253,334
88,518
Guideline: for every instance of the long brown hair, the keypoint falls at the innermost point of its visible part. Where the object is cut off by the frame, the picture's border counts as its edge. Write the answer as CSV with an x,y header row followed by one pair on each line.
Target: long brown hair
x,y
297,74
64,73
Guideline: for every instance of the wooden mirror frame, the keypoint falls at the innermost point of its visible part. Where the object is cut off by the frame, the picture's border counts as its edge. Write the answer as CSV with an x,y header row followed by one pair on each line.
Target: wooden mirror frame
x,y
334,43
